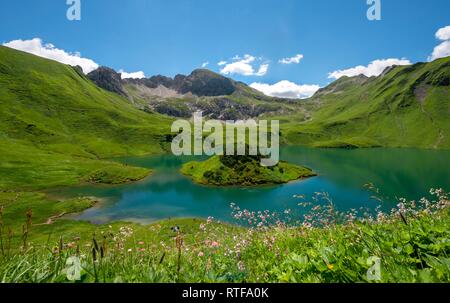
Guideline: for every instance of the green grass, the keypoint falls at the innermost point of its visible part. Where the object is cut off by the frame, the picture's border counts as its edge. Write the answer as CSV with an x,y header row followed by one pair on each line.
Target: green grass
x,y
14,206
408,107
25,167
57,127
242,171
55,108
413,247
117,175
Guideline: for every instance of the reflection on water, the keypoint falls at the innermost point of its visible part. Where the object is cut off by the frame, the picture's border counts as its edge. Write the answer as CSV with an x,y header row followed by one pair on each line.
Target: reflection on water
x,y
405,173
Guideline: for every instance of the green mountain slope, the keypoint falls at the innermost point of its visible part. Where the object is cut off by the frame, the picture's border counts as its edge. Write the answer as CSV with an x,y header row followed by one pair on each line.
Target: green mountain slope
x,y
55,122
407,106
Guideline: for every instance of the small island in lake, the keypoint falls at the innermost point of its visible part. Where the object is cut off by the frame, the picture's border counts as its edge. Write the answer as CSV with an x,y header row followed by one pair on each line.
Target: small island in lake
x,y
242,171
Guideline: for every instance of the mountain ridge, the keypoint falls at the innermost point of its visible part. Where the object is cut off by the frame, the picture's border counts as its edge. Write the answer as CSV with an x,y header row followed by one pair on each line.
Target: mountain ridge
x,y
218,97
406,106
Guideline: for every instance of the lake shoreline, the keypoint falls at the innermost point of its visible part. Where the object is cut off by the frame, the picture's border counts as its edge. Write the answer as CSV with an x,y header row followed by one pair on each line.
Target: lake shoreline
x,y
169,194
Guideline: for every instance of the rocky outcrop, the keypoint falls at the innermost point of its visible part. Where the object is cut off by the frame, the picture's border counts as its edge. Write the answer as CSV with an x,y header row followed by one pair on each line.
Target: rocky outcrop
x,y
108,79
200,82
218,97
203,82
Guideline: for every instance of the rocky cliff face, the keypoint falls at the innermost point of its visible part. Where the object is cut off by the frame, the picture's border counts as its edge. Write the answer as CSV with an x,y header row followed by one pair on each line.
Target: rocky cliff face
x,y
200,82
216,96
108,79
206,83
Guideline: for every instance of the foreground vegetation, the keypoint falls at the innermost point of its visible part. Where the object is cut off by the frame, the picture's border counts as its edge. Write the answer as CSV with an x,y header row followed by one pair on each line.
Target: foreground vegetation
x,y
243,171
411,244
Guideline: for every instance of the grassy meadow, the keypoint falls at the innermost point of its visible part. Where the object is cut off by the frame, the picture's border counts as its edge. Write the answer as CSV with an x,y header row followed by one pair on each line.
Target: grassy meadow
x,y
409,245
59,129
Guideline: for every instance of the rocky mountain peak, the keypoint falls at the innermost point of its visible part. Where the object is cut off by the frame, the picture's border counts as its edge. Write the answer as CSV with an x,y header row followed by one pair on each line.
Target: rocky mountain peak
x,y
201,82
107,79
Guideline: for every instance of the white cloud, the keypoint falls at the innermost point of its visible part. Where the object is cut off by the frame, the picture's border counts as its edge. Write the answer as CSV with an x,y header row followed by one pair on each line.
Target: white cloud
x,y
375,68
222,63
443,49
205,64
135,75
286,89
443,33
49,51
292,60
263,69
244,66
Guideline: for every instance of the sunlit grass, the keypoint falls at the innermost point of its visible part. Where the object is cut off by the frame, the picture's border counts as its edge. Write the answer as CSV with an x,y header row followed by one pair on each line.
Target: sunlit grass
x,y
411,244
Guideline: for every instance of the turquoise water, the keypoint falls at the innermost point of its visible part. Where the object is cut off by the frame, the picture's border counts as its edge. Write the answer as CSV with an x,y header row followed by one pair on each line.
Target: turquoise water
x,y
408,173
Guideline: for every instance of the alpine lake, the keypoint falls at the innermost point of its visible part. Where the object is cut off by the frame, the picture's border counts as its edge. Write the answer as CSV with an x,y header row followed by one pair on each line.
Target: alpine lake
x,y
342,174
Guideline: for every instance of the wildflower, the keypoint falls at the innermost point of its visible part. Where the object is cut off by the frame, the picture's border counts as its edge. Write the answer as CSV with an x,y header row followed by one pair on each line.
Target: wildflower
x,y
129,250
228,252
380,216
215,244
351,217
200,254
141,250
330,266
126,232
241,266
307,225
141,243
401,207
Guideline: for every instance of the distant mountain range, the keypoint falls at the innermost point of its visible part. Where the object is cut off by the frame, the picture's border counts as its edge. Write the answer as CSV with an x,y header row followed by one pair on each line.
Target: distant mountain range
x,y
216,96
54,106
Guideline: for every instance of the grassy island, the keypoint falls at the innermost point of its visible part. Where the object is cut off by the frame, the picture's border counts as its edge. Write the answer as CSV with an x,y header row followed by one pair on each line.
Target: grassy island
x,y
242,170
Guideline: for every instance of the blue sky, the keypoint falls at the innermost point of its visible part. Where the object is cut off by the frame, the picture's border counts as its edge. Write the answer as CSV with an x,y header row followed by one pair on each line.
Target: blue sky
x,y
176,36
